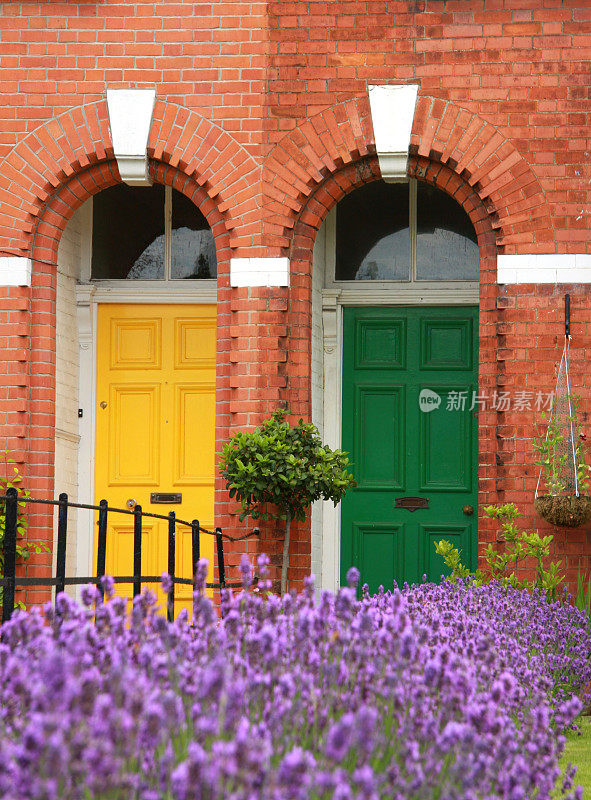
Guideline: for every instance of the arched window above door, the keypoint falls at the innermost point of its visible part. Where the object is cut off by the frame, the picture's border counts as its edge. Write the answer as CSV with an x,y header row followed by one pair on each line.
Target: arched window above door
x,y
403,232
151,233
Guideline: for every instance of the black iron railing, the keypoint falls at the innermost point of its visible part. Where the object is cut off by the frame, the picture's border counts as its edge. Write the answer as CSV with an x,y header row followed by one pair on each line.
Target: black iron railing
x,y
10,580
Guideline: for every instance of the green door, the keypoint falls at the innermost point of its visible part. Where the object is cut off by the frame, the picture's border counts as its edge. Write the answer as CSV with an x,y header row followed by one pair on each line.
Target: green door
x,y
410,384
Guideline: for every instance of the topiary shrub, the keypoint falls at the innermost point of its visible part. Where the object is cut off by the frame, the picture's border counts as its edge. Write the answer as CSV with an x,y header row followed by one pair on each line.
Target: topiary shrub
x,y
285,466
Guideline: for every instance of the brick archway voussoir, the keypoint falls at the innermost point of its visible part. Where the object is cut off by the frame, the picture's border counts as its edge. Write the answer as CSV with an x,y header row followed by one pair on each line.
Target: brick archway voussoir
x,y
479,153
42,162
303,159
70,145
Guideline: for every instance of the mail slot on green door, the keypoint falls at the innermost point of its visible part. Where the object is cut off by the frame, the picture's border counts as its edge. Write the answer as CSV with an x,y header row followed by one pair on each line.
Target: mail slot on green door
x,y
410,379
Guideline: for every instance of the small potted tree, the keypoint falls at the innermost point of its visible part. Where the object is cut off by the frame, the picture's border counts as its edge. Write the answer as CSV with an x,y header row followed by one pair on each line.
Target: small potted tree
x,y
283,467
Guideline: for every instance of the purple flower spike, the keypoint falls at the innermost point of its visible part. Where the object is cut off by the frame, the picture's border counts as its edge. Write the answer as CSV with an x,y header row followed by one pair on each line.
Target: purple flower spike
x,y
353,577
108,584
166,582
449,690
340,738
246,571
263,561
89,594
201,574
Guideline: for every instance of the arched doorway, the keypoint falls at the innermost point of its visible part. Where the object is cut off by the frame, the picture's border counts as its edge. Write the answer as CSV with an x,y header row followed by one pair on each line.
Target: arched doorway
x,y
146,300
399,348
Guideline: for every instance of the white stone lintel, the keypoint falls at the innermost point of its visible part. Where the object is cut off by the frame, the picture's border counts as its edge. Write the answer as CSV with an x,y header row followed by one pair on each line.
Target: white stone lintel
x,y
269,271
392,113
15,271
544,268
130,119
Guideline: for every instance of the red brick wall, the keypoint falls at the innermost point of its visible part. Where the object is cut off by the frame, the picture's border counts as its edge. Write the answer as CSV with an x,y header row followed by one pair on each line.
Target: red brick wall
x,y
263,116
530,340
520,66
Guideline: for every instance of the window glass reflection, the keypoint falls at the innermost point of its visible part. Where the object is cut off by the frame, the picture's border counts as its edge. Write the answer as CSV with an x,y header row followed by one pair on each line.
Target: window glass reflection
x,y
149,265
372,234
193,247
128,233
447,248
129,238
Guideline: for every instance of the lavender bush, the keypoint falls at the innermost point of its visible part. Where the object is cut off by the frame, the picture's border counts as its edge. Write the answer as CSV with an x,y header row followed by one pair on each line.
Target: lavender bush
x,y
449,691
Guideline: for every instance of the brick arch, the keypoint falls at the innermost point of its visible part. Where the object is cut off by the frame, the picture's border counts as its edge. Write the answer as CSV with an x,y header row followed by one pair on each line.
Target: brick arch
x,y
78,140
43,161
351,177
40,356
43,180
501,177
302,160
313,213
60,206
347,179
442,132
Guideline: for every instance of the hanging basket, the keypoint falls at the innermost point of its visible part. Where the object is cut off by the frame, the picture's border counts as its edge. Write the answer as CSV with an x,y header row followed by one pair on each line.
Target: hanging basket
x,y
563,510
562,463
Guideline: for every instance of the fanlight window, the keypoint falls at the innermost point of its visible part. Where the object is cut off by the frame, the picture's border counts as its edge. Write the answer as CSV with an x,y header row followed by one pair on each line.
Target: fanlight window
x,y
152,233
404,232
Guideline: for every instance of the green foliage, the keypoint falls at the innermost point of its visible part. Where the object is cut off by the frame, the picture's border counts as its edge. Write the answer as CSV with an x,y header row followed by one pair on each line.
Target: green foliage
x,y
583,595
552,462
285,466
578,752
502,566
13,479
452,558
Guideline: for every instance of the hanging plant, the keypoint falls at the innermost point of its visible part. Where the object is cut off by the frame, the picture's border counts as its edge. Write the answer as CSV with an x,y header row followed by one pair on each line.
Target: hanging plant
x,y
563,467
562,452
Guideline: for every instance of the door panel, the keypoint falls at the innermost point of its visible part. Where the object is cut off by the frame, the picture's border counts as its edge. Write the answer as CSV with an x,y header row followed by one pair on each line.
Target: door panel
x,y
446,344
380,344
408,379
135,417
379,441
155,429
445,444
378,553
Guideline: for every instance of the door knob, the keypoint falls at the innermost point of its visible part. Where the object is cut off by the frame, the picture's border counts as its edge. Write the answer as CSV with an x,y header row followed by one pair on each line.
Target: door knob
x,y
103,405
468,510
131,503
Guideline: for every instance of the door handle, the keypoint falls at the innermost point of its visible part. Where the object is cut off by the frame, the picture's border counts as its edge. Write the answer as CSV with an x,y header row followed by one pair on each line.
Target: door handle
x,y
468,510
131,503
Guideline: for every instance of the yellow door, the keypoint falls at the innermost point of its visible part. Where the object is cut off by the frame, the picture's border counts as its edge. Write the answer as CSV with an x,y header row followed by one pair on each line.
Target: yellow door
x,y
155,430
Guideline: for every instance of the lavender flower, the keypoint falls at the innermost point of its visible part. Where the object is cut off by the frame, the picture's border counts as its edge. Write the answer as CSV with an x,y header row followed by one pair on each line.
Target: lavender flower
x,y
246,571
166,582
447,690
340,738
201,574
353,577
108,584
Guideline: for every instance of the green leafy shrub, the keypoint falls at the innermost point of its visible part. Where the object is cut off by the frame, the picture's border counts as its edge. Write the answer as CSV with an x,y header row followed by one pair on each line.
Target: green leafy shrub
x,y
583,595
285,466
502,566
24,549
